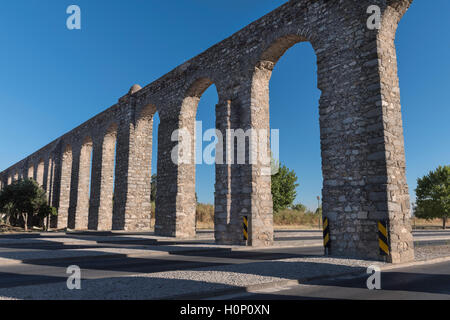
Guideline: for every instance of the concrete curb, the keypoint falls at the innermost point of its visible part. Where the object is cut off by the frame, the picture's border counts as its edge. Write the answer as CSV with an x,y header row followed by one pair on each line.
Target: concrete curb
x,y
285,283
414,263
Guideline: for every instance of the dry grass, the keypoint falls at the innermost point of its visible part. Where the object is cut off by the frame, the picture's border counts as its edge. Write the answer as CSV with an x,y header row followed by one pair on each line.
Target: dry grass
x,y
205,214
286,219
290,217
427,224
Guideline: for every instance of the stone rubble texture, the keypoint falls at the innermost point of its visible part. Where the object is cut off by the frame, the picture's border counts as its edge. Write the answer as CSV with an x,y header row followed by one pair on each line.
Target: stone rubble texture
x,y
360,127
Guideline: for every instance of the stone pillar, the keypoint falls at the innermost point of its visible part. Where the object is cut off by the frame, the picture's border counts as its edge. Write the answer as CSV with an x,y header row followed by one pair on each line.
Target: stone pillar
x,y
46,173
227,218
121,188
74,184
30,172
84,171
56,185
64,187
256,197
50,179
132,207
362,142
40,173
175,197
102,184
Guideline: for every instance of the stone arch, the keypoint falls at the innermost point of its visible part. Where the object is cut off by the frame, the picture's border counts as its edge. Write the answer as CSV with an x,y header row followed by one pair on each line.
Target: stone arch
x,y
132,205
84,181
30,172
191,99
258,206
188,118
102,182
175,200
65,182
143,155
144,125
40,172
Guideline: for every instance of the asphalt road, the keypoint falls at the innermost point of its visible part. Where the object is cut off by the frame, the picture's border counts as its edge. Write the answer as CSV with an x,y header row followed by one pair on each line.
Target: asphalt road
x,y
47,270
54,270
411,283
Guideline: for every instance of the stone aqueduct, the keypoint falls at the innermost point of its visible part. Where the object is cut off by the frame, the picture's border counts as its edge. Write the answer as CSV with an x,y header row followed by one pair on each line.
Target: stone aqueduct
x,y
360,126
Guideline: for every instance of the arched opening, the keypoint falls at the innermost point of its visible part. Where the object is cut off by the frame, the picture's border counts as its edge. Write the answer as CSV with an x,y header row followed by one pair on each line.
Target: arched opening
x,y
198,116
65,182
205,174
287,101
295,80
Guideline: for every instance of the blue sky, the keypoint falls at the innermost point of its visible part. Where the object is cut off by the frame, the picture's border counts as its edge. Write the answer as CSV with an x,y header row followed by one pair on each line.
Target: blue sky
x,y
53,79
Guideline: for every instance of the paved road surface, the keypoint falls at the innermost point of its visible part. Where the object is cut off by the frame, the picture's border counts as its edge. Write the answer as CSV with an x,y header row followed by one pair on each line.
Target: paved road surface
x,y
50,270
54,270
412,283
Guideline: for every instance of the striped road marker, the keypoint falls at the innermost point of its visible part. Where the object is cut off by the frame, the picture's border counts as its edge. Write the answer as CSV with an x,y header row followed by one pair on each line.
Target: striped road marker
x,y
383,238
326,234
245,228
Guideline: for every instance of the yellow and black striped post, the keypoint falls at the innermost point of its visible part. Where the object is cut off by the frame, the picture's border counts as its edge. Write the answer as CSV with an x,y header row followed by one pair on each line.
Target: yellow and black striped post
x,y
326,234
383,238
245,229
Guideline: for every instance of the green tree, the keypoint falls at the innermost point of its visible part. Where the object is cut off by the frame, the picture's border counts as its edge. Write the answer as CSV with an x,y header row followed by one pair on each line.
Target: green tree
x,y
299,207
24,199
46,211
433,195
283,188
153,189
318,211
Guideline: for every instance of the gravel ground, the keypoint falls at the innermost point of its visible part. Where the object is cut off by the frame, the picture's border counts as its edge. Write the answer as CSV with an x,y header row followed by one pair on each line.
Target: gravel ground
x,y
166,284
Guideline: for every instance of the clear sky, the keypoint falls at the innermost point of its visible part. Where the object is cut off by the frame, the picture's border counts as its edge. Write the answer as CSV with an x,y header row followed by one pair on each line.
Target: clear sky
x,y
53,79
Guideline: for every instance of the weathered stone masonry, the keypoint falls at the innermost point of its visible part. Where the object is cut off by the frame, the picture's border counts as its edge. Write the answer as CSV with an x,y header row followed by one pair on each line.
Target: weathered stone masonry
x,y
361,136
